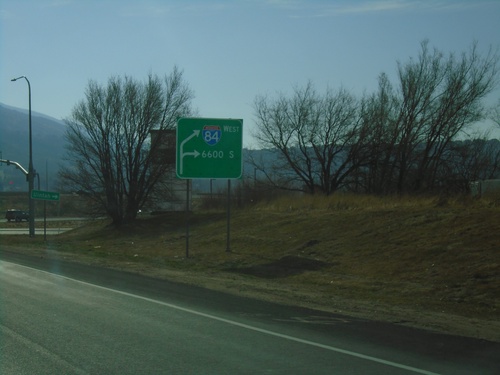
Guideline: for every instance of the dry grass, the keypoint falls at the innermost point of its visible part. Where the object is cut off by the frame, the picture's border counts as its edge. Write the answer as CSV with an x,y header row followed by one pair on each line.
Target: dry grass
x,y
397,259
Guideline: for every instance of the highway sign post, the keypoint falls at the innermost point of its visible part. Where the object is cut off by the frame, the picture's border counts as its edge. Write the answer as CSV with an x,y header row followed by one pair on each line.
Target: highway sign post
x,y
44,195
209,148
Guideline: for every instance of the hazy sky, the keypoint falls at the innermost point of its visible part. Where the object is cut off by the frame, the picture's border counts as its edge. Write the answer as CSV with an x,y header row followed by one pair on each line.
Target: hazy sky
x,y
230,51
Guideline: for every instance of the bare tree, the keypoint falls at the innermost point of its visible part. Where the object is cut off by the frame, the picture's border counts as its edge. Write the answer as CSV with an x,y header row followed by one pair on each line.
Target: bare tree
x,y
413,126
112,157
469,160
419,81
279,123
397,140
318,136
339,139
455,104
379,113
495,114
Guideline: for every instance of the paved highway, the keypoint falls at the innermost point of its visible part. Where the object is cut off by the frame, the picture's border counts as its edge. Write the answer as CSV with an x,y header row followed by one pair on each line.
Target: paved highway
x,y
38,231
8,229
58,317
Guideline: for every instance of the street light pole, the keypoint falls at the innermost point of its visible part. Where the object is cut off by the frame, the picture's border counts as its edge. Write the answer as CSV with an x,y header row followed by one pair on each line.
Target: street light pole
x,y
31,172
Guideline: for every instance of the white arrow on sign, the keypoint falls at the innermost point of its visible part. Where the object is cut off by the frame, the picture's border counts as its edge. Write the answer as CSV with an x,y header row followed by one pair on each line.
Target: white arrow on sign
x,y
193,153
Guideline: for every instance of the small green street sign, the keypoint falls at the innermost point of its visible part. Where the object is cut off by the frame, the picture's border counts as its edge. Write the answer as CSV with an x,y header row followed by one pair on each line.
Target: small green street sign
x,y
44,195
209,148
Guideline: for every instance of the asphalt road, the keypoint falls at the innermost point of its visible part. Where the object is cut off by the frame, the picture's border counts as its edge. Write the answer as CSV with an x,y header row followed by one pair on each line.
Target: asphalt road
x,y
10,230
38,231
65,318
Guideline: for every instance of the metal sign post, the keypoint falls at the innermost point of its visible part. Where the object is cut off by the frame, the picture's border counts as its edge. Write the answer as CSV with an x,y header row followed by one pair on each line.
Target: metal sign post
x,y
228,239
187,218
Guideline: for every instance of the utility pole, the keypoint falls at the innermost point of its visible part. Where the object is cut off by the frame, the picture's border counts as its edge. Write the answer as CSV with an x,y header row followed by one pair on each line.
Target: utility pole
x,y
31,171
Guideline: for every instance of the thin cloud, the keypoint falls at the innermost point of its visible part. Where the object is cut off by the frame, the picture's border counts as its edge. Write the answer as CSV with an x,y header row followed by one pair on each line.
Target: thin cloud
x,y
408,5
56,3
149,11
159,9
327,9
373,6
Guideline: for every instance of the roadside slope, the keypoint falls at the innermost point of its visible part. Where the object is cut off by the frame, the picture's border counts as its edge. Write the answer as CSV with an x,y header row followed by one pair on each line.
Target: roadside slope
x,y
422,262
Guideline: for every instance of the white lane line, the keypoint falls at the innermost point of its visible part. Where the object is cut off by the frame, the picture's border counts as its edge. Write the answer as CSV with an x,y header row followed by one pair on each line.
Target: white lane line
x,y
249,327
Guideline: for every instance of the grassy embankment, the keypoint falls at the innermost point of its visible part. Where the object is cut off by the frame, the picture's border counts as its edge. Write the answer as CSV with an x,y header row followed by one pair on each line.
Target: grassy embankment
x,y
419,261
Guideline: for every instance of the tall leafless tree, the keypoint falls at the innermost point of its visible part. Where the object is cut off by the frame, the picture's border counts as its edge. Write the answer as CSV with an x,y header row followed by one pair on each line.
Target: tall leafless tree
x,y
379,113
455,104
397,140
318,136
414,124
112,157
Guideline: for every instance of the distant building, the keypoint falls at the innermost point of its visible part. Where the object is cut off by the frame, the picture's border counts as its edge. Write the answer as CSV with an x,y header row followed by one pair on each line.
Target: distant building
x,y
485,187
170,194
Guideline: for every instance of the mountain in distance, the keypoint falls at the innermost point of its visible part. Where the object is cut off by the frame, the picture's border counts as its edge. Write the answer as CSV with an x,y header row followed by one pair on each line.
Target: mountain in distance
x,y
49,151
48,146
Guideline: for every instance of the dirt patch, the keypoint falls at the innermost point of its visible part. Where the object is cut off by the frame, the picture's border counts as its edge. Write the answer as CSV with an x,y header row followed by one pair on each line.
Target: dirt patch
x,y
286,266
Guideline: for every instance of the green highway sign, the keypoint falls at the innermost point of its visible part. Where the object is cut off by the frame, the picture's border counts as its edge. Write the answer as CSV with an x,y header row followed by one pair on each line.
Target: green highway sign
x,y
44,195
209,148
